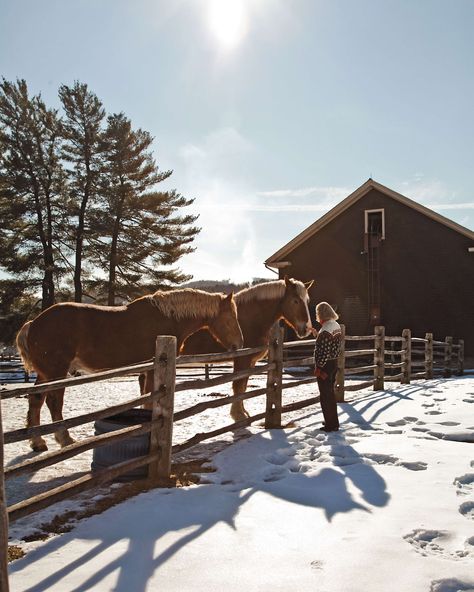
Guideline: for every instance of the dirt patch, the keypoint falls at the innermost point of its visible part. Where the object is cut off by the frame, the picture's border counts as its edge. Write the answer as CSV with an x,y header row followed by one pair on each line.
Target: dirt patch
x,y
15,552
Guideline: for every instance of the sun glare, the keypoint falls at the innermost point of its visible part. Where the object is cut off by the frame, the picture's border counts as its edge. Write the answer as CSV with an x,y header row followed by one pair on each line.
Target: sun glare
x,y
227,20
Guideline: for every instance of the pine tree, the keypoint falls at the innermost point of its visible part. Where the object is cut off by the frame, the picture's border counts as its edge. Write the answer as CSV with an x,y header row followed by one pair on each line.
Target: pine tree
x,y
83,116
31,182
142,233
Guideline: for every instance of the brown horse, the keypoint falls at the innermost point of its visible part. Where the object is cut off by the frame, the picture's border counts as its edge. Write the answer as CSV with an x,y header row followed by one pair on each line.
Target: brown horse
x,y
71,336
258,308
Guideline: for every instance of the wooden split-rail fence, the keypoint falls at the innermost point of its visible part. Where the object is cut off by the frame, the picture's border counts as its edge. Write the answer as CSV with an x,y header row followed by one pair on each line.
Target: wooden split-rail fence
x,y
410,357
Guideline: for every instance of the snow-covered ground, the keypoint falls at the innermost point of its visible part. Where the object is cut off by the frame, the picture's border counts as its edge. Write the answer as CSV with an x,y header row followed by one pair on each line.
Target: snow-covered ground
x,y
385,504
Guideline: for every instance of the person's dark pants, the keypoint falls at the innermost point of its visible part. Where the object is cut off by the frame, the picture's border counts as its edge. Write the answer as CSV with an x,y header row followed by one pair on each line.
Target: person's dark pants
x,y
328,396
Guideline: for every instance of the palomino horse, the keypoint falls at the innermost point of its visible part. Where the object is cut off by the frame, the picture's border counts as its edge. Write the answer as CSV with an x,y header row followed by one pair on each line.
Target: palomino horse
x,y
258,308
71,336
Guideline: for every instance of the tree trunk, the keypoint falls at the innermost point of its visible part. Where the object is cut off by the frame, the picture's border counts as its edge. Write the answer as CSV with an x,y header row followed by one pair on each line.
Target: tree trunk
x,y
113,264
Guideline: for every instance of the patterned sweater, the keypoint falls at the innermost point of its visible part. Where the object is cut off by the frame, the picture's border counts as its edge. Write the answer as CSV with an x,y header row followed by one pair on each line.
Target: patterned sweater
x,y
328,343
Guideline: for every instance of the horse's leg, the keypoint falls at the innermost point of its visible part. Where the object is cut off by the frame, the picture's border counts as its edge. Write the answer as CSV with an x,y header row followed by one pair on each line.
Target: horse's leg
x,y
35,402
237,409
146,386
54,401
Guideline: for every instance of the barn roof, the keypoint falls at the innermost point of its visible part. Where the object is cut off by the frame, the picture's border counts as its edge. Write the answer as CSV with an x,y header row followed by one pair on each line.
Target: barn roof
x,y
349,201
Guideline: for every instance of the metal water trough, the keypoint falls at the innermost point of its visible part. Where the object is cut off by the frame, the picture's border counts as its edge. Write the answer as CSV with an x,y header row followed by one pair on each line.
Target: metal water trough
x,y
106,456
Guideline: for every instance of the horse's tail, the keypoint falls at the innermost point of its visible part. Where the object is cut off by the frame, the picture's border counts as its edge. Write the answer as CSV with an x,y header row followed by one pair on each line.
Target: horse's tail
x,y
22,346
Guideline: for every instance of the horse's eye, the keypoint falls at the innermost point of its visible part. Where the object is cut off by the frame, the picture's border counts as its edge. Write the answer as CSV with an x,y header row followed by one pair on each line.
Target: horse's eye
x,y
295,301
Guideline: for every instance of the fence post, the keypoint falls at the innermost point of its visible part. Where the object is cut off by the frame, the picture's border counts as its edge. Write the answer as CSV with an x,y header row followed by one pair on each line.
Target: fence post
x,y
341,362
274,378
3,518
379,358
406,356
429,356
161,434
460,371
448,352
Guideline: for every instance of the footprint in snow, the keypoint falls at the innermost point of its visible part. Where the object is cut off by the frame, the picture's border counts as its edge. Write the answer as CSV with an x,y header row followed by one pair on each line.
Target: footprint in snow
x,y
448,423
467,510
398,422
317,564
434,412
464,483
275,474
431,542
388,459
451,585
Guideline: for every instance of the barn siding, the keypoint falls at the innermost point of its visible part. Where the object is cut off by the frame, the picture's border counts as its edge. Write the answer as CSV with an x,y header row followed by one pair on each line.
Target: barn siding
x,y
427,273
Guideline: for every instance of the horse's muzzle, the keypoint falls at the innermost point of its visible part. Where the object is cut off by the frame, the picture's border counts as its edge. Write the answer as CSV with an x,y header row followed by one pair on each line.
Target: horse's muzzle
x,y
303,331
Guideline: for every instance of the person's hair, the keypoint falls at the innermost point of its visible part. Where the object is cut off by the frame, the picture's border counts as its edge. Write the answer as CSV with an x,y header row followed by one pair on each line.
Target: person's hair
x,y
325,312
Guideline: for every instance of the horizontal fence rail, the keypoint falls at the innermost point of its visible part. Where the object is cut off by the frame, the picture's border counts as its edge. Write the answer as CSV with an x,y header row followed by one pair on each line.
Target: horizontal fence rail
x,y
382,358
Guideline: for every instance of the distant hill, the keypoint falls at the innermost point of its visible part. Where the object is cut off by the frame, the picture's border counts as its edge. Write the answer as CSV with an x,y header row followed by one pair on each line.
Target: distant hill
x,y
225,286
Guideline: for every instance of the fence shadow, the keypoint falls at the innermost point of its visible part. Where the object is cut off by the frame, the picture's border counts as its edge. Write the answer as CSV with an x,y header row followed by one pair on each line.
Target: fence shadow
x,y
263,463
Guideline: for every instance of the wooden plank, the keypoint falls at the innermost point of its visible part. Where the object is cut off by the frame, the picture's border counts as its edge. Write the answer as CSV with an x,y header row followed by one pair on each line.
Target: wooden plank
x,y
360,337
394,378
460,368
300,404
359,352
197,438
200,407
49,428
299,362
304,342
201,384
341,363
429,356
393,352
161,435
360,385
394,338
379,357
448,354
274,378
360,369
117,372
394,365
406,356
51,458
215,357
75,380
3,519
44,500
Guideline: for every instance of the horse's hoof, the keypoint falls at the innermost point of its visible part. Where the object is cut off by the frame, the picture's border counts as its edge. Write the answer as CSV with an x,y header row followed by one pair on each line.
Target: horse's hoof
x,y
65,440
240,416
39,446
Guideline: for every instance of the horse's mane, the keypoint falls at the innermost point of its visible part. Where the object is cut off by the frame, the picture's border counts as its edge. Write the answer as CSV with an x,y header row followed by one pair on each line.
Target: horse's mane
x,y
267,291
187,303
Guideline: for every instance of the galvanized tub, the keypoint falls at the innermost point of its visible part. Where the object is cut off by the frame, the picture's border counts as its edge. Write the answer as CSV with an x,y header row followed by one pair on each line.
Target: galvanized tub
x,y
106,456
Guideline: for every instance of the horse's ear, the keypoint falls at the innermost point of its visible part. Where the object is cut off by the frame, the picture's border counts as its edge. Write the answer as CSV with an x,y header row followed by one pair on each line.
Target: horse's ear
x,y
287,281
229,297
309,284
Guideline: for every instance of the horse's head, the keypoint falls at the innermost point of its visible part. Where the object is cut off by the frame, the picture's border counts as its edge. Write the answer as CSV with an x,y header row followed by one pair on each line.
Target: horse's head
x,y
225,326
294,306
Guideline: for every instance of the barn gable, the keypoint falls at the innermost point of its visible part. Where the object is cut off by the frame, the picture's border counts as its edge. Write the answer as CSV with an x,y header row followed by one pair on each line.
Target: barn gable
x,y
277,258
381,258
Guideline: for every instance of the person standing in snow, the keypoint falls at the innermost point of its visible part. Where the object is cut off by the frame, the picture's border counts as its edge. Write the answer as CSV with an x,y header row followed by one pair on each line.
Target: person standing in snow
x,y
326,352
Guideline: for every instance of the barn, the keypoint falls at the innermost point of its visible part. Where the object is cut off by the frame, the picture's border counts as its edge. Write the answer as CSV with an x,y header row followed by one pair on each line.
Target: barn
x,y
384,259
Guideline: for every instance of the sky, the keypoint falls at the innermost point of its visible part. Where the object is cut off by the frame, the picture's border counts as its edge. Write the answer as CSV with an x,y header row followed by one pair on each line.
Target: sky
x,y
269,112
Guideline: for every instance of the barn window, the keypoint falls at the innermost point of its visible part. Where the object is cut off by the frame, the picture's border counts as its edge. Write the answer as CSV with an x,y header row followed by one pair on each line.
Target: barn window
x,y
375,223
